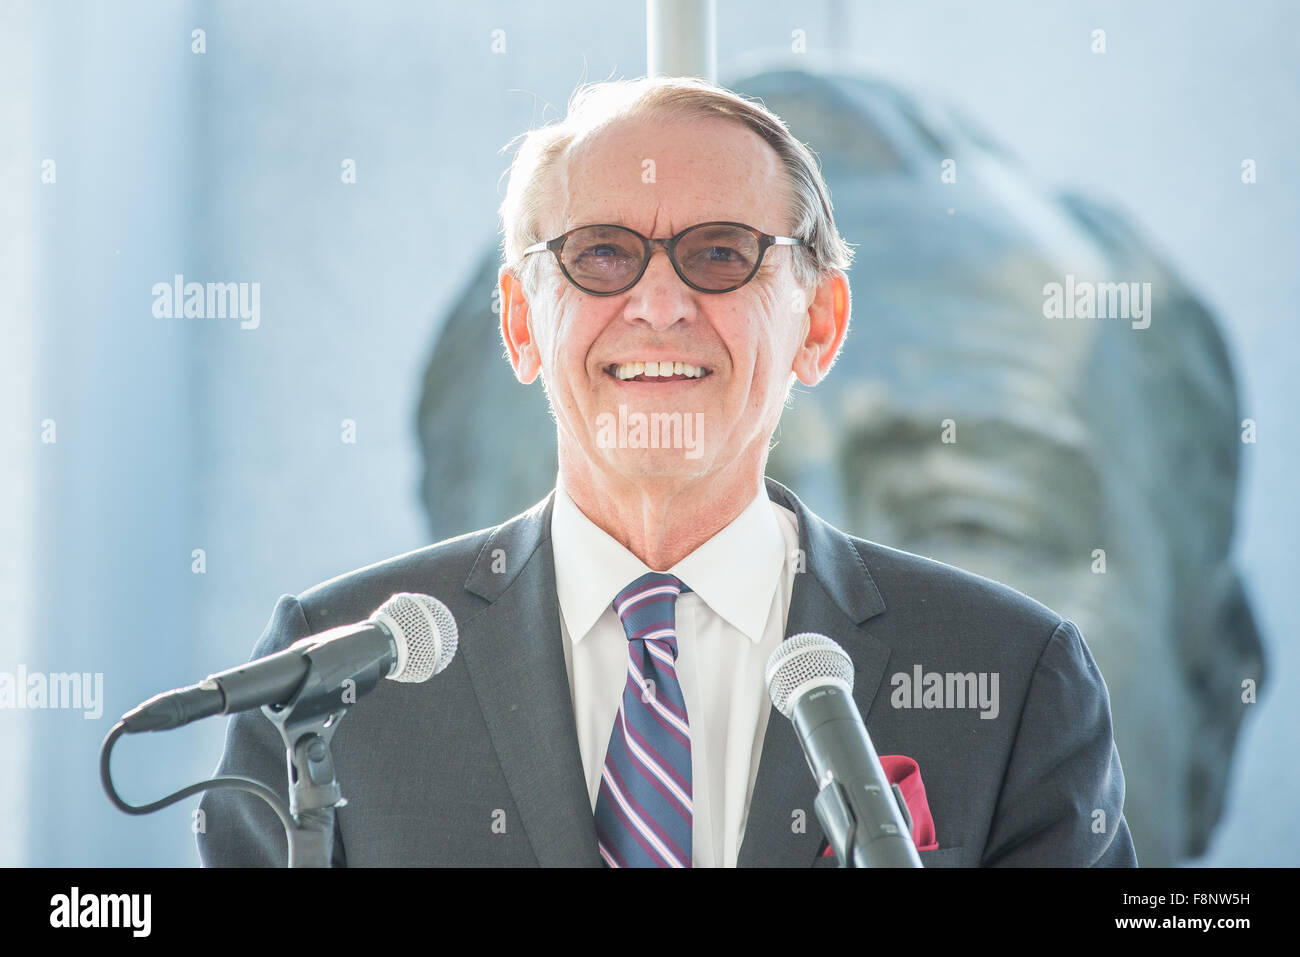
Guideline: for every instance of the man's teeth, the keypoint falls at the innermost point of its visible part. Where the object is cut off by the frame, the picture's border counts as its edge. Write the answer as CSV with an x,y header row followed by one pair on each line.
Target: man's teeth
x,y
630,370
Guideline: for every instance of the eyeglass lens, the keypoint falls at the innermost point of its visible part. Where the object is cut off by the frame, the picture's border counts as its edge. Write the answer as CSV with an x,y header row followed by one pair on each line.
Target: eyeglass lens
x,y
607,258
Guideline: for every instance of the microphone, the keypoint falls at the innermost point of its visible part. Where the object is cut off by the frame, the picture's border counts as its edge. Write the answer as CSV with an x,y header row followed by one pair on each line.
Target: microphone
x,y
409,638
810,681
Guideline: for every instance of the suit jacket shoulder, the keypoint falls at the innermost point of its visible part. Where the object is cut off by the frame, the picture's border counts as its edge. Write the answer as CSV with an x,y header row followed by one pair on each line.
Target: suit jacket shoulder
x,y
439,569
934,592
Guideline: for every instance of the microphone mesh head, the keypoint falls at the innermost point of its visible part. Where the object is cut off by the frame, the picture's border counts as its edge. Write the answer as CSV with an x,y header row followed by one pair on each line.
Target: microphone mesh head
x,y
425,632
804,661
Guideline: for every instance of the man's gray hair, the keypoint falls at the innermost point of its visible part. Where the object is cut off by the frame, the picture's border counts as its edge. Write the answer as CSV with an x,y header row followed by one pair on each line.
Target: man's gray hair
x,y
596,105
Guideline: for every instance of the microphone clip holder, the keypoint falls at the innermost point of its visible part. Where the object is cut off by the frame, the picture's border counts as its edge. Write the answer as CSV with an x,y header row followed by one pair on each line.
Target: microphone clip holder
x,y
307,722
840,825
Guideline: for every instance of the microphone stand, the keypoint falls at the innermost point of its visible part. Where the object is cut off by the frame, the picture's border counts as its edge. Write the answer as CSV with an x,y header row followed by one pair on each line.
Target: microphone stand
x,y
306,723
338,673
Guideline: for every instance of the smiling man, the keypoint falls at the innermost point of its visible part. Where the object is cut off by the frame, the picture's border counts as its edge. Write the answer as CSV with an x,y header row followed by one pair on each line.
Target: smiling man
x,y
671,269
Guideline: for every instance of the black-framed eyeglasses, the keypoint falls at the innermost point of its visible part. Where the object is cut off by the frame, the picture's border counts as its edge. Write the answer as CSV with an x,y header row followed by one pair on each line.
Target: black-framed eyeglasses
x,y
605,260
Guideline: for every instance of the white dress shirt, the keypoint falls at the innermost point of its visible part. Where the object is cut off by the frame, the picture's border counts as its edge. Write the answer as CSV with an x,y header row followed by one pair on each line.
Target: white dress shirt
x,y
727,626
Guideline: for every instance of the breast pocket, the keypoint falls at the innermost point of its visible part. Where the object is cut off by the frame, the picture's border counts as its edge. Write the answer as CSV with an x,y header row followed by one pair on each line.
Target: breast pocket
x,y
942,857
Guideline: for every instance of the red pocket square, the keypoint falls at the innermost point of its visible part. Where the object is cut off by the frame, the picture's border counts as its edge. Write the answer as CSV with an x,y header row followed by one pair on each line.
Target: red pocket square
x,y
906,773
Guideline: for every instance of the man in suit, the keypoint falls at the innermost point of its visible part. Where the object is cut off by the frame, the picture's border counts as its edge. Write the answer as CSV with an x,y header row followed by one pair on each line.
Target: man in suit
x,y
607,703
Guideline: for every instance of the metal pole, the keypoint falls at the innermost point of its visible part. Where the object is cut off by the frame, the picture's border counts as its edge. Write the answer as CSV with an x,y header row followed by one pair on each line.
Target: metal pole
x,y
682,38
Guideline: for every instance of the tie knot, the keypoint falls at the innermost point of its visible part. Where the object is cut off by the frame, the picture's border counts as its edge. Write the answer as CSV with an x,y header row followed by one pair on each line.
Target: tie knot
x,y
647,606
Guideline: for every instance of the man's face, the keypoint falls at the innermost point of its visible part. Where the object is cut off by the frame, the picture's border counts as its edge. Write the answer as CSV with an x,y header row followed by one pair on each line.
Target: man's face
x,y
658,179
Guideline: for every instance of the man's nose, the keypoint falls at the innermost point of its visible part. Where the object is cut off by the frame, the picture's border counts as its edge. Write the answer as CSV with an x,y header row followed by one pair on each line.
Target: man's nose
x,y
660,297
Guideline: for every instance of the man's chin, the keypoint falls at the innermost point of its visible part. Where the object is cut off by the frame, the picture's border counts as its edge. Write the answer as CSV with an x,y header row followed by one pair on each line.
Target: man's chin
x,y
652,443
656,464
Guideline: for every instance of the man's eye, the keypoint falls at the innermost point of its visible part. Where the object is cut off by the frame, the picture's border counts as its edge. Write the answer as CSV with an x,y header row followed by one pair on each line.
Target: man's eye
x,y
604,251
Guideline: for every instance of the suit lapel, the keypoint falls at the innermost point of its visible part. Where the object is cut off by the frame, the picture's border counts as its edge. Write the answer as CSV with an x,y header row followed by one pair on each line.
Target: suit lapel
x,y
512,650
832,597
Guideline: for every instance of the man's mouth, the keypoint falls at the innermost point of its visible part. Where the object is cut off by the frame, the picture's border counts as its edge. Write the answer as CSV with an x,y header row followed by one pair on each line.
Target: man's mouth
x,y
656,371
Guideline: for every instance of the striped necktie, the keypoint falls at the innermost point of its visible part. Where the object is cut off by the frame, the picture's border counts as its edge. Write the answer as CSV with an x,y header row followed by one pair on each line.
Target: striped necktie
x,y
643,811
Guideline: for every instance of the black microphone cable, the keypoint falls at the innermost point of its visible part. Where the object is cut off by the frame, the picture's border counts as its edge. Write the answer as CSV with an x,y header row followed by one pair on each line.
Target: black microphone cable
x,y
231,781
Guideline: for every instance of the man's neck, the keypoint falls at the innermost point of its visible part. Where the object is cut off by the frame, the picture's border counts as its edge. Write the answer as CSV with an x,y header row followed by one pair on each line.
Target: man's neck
x,y
661,521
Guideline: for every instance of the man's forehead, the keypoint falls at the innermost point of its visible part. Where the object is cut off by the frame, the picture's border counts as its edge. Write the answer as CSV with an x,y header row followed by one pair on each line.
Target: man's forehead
x,y
665,175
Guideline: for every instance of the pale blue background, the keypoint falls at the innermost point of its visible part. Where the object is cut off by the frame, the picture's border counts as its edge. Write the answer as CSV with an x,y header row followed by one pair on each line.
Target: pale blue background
x,y
182,434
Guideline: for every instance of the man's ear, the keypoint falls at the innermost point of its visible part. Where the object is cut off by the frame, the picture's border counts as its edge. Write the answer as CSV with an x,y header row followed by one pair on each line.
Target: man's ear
x,y
828,323
516,330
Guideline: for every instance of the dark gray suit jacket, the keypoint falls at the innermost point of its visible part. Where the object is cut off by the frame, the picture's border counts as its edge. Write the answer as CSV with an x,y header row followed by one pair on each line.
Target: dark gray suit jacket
x,y
480,765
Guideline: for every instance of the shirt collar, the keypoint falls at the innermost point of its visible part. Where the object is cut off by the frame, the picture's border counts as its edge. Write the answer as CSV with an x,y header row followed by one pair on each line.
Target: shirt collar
x,y
735,572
